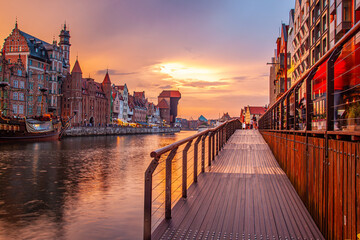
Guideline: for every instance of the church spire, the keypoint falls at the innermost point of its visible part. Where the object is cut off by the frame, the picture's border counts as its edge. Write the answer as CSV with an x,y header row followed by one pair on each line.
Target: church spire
x,y
16,23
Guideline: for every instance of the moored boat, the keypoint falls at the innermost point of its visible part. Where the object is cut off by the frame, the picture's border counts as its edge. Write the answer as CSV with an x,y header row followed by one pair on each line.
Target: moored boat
x,y
43,129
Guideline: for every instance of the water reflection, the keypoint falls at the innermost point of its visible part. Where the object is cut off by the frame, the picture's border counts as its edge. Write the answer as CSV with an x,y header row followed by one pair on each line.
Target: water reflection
x,y
79,188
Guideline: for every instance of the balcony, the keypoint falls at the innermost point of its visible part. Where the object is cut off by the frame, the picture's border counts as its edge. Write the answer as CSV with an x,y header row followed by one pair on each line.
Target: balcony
x,y
342,28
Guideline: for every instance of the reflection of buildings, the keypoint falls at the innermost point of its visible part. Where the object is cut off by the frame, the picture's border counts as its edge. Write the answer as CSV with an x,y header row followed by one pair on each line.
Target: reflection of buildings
x,y
168,102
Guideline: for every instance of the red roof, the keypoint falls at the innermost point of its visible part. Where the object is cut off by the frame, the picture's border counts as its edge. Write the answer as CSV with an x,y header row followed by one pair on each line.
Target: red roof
x,y
170,93
256,110
139,94
120,87
107,79
76,68
163,104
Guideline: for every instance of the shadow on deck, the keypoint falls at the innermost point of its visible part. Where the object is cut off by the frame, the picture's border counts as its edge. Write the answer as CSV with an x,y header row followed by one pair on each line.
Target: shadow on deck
x,y
245,195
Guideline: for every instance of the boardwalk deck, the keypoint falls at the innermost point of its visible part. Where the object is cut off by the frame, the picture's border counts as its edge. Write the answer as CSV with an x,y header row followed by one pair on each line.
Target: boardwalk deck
x,y
245,195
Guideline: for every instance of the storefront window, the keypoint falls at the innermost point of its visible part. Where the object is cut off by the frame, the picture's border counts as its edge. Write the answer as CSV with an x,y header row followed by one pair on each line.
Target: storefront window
x,y
318,97
347,87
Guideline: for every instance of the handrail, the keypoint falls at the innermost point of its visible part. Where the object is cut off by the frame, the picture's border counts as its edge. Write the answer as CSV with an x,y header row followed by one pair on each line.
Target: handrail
x,y
167,148
215,138
342,40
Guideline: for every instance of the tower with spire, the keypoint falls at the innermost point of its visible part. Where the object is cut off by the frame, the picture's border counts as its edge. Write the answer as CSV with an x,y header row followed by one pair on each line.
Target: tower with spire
x,y
106,86
65,46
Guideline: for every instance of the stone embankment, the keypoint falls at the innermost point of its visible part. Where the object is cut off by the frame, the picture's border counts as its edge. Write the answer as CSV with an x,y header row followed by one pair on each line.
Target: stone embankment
x,y
102,131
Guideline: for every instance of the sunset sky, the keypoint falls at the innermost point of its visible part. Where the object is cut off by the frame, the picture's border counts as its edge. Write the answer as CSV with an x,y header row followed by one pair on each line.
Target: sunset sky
x,y
213,51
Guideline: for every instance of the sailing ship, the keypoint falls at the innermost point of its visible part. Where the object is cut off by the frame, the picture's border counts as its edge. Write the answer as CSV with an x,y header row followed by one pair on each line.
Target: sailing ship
x,y
42,129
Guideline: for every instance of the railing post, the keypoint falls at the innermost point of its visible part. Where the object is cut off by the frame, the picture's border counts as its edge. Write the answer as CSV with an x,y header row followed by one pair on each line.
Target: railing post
x,y
330,111
196,145
148,197
213,145
184,170
203,153
217,142
309,104
209,149
168,183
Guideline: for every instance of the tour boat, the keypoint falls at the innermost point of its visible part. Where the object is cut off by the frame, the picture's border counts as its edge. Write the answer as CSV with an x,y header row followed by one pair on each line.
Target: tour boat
x,y
41,129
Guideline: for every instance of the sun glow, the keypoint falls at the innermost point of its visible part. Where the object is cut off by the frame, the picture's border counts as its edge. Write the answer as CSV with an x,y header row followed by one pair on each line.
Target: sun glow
x,y
181,71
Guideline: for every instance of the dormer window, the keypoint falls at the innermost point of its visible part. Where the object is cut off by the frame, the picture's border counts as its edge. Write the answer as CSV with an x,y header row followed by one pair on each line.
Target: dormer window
x,y
36,50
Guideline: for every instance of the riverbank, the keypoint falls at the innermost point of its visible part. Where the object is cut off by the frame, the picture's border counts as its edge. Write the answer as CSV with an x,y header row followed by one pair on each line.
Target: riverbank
x,y
103,131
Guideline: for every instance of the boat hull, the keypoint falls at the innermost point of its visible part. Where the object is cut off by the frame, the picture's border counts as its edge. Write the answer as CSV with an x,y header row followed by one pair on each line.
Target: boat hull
x,y
6,136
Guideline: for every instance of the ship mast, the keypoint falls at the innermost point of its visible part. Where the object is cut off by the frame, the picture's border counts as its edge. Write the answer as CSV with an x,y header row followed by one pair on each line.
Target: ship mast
x,y
3,84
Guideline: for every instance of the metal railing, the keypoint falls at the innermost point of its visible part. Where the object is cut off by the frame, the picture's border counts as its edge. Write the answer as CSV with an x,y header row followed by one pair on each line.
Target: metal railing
x,y
326,97
175,167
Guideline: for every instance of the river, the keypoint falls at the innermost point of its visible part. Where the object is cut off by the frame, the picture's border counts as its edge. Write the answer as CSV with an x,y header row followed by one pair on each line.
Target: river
x,y
77,188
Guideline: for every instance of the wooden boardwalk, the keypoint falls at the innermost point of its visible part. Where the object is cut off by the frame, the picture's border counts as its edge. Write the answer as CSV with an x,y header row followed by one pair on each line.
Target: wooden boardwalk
x,y
246,195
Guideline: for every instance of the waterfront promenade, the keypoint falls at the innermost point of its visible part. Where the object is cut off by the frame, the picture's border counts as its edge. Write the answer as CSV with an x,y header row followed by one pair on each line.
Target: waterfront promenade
x,y
244,195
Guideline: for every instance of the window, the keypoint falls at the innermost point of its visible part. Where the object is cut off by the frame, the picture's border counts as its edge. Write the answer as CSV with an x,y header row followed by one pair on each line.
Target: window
x,y
30,62
30,98
30,110
30,74
339,14
31,86
21,109
15,96
38,110
19,72
39,76
15,109
19,48
16,84
11,49
21,96
39,98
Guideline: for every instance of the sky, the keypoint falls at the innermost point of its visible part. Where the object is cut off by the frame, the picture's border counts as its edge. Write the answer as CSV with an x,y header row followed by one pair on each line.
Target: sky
x,y
213,51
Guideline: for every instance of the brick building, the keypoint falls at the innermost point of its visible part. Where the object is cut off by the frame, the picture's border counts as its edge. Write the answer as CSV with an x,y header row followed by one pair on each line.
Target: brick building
x,y
168,102
86,100
45,65
13,90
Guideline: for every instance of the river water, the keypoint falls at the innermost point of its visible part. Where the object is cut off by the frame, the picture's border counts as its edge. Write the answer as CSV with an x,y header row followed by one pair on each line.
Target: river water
x,y
77,188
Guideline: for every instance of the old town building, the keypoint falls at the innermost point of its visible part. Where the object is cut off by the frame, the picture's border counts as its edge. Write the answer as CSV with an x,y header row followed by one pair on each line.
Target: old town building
x,y
86,101
46,65
140,107
123,90
167,102
13,88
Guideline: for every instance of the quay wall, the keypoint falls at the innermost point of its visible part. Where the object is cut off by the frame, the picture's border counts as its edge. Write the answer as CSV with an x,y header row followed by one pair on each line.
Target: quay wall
x,y
103,131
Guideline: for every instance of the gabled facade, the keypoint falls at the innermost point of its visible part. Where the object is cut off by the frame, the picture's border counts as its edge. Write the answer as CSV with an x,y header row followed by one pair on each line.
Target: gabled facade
x,y
46,65
168,103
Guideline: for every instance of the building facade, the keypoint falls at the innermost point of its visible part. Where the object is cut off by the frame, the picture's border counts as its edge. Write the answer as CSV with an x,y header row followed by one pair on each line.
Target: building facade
x,y
46,65
168,103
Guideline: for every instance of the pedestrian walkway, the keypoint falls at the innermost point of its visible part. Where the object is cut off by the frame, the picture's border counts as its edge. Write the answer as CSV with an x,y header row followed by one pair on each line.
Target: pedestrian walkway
x,y
245,195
